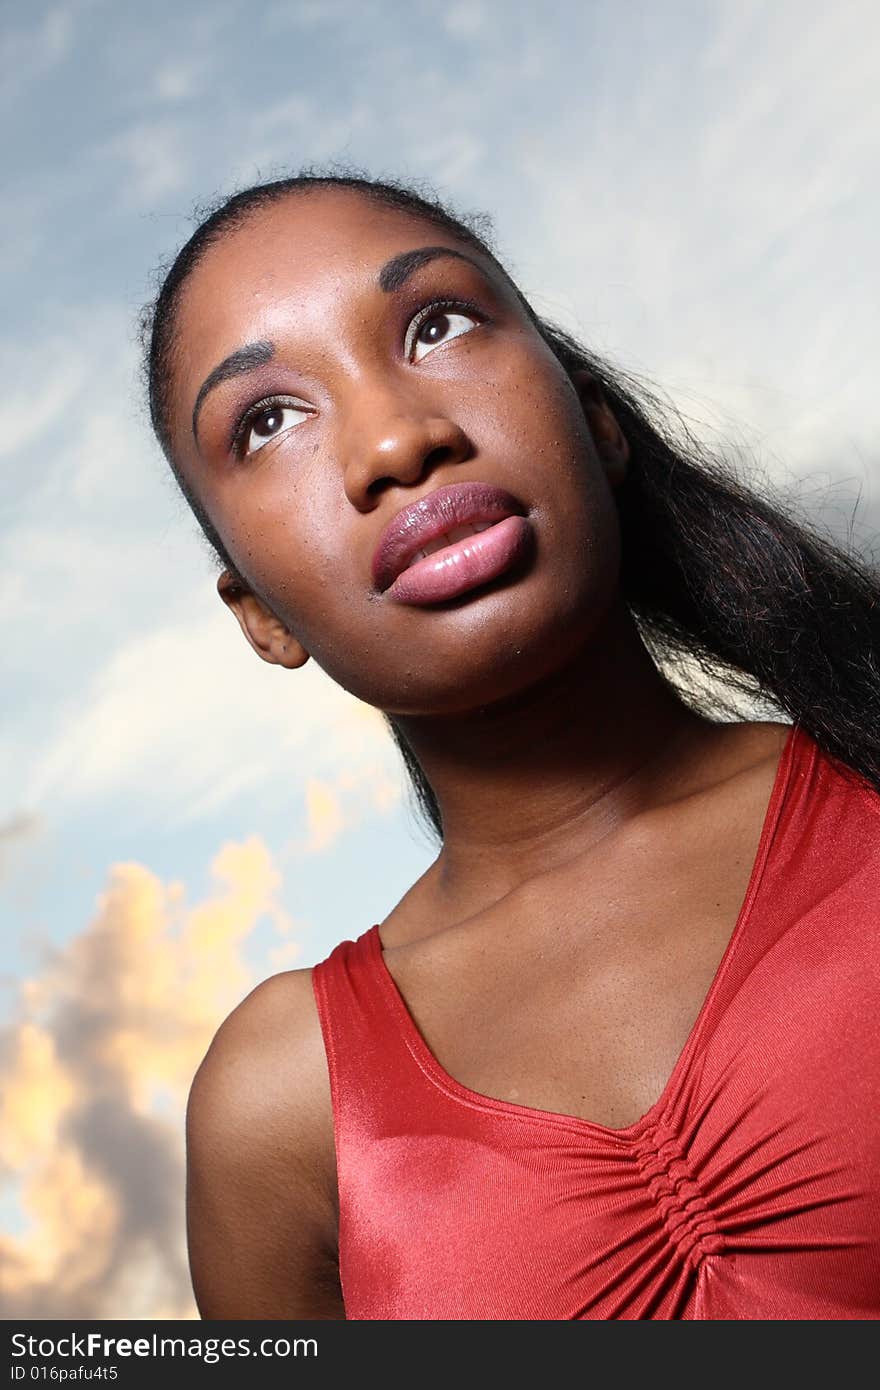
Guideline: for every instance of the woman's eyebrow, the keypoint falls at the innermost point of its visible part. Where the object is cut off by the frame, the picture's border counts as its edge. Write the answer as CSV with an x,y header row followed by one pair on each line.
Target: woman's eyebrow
x,y
244,359
395,273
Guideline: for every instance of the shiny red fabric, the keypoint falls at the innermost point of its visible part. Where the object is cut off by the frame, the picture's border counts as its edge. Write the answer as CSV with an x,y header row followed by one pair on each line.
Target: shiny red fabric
x,y
750,1189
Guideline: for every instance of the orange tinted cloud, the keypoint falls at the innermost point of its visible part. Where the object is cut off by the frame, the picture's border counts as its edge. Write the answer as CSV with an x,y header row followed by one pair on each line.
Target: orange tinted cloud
x,y
94,1077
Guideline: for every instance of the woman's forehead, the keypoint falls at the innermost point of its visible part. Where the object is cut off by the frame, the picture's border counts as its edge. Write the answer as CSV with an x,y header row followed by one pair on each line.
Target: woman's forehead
x,y
321,233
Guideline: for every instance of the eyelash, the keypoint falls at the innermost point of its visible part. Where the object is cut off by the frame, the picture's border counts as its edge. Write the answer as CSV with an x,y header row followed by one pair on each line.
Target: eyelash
x,y
437,306
420,317
242,428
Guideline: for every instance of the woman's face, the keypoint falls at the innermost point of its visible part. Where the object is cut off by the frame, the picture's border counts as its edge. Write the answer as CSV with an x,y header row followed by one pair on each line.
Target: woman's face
x,y
343,397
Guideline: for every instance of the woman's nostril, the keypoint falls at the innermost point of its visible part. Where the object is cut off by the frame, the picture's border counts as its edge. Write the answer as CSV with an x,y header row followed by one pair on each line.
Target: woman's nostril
x,y
441,454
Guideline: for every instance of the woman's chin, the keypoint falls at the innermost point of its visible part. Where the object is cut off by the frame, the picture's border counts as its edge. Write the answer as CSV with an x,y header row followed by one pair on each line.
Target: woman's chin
x,y
488,674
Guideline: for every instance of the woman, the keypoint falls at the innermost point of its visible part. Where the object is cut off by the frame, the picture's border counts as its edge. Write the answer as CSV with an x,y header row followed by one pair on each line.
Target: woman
x,y
614,1053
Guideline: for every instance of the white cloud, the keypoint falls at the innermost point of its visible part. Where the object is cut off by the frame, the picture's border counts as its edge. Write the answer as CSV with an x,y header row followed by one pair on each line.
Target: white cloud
x,y
16,830
47,387
184,719
71,414
714,226
466,18
180,79
153,159
32,52
452,157
296,131
311,14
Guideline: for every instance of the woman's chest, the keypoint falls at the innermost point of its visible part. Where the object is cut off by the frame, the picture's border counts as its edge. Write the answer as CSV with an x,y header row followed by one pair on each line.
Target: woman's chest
x,y
745,1187
580,998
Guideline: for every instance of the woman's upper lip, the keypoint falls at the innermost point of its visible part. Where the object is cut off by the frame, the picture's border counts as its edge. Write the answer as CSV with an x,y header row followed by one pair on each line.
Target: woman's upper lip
x,y
457,504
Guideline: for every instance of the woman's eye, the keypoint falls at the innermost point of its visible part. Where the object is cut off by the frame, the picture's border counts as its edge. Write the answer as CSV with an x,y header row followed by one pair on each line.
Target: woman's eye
x,y
440,327
268,423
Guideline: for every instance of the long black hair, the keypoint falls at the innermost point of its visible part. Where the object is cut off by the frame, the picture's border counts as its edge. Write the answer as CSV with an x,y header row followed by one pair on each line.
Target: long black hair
x,y
719,577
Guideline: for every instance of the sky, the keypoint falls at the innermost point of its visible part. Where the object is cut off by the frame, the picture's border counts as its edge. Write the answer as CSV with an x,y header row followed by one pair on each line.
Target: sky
x,y
691,187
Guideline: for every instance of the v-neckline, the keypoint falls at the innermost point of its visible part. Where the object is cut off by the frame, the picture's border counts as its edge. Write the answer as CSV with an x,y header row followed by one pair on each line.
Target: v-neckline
x,y
445,1082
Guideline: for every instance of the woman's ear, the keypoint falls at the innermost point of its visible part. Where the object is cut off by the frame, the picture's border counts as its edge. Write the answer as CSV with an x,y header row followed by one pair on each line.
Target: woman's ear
x,y
611,443
269,638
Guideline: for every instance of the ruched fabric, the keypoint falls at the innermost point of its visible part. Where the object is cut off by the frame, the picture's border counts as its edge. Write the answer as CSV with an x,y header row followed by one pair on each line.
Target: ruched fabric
x,y
750,1189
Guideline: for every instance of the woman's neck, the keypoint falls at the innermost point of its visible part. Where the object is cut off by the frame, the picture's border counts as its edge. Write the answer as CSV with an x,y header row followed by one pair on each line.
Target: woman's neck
x,y
536,780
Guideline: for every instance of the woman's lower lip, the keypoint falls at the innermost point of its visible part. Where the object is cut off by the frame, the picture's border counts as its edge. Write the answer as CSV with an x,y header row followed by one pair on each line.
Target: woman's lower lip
x,y
464,564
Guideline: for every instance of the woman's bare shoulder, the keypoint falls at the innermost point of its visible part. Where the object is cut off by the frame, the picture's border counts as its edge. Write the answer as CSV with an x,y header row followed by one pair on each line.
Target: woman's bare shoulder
x,y
261,1181
267,1059
275,1028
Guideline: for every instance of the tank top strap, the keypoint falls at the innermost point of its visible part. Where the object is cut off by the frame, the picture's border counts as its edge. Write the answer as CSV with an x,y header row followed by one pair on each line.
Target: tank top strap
x,y
372,1071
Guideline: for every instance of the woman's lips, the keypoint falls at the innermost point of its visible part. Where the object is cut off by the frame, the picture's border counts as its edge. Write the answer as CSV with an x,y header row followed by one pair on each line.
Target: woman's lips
x,y
437,516
464,564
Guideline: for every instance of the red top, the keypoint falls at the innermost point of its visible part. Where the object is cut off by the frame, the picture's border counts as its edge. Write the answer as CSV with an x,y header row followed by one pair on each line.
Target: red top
x,y
750,1189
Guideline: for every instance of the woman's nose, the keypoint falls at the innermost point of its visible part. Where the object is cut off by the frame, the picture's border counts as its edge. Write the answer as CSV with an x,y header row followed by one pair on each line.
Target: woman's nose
x,y
400,448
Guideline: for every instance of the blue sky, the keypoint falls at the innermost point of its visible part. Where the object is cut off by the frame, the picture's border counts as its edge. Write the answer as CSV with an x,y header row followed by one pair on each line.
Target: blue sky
x,y
691,187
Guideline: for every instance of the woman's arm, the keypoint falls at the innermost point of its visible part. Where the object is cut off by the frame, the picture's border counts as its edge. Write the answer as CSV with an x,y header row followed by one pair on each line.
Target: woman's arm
x,y
262,1222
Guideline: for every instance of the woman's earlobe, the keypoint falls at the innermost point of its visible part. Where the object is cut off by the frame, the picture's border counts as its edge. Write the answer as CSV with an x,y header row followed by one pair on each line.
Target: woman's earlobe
x,y
268,636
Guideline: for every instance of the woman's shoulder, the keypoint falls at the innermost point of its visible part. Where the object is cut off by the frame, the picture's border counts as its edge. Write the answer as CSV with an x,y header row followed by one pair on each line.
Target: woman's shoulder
x,y
264,1054
280,999
262,1212
261,1092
